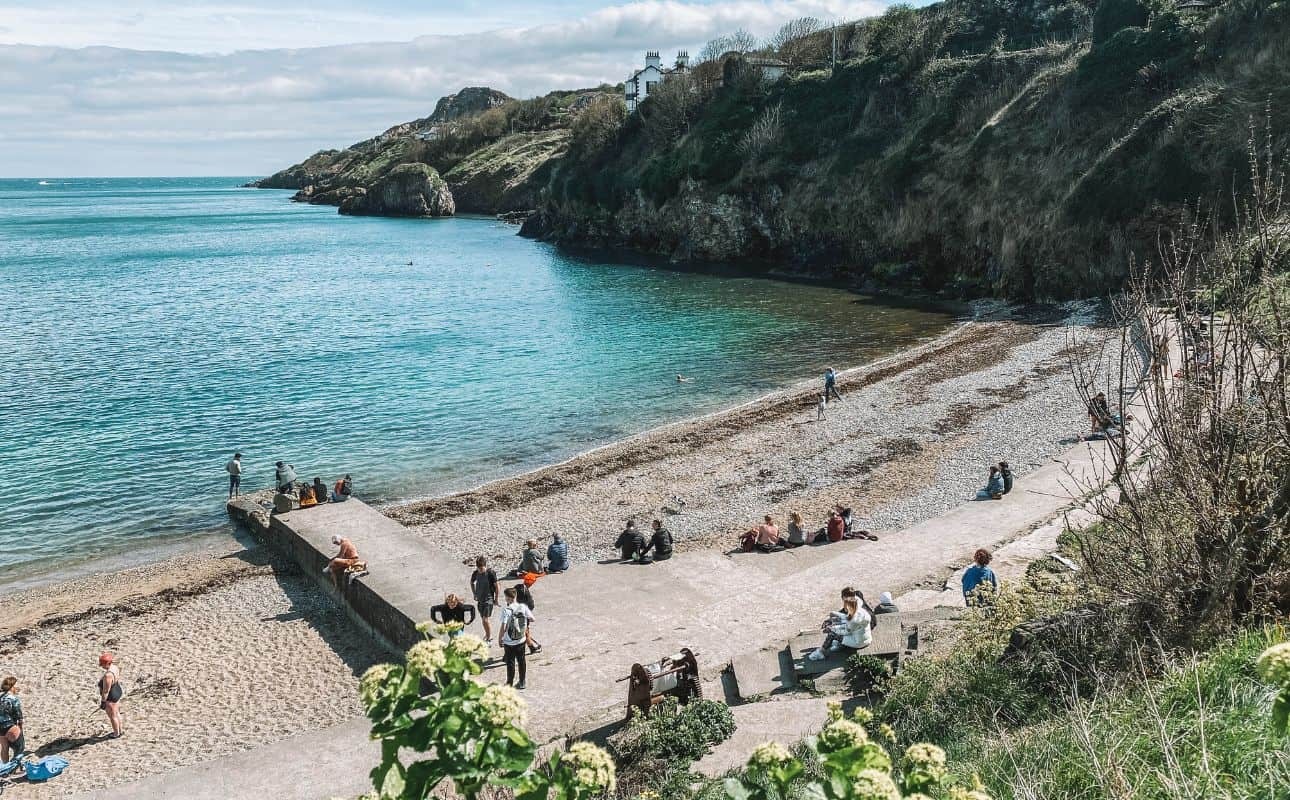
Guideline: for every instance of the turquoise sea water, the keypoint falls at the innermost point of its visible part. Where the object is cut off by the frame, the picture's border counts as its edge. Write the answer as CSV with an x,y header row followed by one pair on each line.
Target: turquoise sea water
x,y
154,326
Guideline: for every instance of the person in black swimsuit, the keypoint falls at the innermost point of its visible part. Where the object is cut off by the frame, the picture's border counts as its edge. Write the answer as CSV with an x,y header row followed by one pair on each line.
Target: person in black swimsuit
x,y
110,693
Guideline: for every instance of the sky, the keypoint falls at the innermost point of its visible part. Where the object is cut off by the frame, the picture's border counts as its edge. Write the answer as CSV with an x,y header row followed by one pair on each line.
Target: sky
x,y
152,88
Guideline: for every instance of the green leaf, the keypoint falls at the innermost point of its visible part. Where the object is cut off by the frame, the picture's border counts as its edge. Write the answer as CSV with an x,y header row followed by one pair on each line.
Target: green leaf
x,y
1281,712
735,789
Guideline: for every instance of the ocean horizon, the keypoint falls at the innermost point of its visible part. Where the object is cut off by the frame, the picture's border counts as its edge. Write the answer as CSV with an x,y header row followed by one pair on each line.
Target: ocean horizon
x,y
157,325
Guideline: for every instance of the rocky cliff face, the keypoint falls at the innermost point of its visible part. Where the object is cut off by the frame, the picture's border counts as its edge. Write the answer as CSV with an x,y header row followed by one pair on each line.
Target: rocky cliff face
x,y
468,102
408,190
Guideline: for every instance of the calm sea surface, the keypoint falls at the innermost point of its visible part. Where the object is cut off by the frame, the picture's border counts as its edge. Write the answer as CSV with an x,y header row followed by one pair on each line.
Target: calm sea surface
x,y
153,326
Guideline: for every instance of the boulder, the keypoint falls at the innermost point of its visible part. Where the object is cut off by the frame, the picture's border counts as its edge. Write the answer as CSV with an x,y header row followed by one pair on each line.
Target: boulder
x,y
408,190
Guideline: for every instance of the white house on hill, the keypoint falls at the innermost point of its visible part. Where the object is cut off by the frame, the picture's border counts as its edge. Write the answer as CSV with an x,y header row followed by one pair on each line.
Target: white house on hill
x,y
640,83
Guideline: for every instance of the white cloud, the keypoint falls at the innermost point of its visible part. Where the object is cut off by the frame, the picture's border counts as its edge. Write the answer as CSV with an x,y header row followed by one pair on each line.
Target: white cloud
x,y
105,110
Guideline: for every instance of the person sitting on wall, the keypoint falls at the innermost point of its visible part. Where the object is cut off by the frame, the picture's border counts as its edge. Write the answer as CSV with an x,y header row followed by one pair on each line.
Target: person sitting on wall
x,y
1005,472
660,543
631,542
993,488
345,559
849,530
834,531
342,490
531,560
767,536
557,554
307,499
320,490
886,605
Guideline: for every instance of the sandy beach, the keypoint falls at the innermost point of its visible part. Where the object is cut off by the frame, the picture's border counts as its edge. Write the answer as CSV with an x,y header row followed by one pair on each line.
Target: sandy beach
x,y
230,648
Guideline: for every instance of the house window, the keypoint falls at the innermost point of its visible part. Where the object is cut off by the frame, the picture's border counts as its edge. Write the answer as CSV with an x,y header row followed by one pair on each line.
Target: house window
x,y
649,87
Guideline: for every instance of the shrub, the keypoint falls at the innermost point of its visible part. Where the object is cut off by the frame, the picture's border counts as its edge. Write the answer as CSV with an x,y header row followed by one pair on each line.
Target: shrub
x,y
1113,16
677,733
868,675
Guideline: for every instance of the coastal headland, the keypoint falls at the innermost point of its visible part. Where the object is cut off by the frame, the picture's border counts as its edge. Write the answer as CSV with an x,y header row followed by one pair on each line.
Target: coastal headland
x,y
234,648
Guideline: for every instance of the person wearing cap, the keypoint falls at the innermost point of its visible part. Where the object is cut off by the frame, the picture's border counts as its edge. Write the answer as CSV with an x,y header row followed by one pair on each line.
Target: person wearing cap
x,y
345,558
886,605
110,692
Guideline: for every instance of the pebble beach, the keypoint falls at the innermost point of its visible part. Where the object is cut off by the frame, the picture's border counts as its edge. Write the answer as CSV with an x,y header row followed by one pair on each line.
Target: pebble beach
x,y
231,647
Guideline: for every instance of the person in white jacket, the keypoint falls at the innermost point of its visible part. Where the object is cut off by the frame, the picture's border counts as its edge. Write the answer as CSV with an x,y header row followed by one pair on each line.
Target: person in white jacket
x,y
849,629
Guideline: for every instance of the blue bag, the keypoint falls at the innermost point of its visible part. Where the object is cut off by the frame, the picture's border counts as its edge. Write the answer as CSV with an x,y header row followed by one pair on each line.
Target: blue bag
x,y
46,768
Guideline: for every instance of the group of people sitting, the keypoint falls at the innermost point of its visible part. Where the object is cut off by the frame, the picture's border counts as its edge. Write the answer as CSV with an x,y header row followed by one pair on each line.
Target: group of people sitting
x,y
284,481
633,546
766,537
532,562
850,629
998,484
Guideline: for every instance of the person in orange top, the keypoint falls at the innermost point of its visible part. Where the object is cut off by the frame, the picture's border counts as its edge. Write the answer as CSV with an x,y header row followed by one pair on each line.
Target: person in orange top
x,y
307,498
346,558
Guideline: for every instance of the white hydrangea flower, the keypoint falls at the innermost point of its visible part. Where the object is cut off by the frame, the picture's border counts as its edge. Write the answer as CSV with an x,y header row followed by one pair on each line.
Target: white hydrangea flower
x,y
470,646
769,754
959,793
862,715
372,681
593,769
425,658
874,784
925,754
841,734
1274,664
502,705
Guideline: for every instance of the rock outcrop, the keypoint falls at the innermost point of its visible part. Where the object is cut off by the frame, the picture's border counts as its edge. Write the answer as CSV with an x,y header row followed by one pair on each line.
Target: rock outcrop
x,y
408,190
468,102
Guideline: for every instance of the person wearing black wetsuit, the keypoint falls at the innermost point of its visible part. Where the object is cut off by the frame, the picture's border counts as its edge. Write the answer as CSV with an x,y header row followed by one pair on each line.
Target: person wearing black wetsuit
x,y
452,610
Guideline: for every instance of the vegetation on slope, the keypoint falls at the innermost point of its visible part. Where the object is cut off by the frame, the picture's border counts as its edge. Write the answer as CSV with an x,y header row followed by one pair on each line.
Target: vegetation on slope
x,y
1020,147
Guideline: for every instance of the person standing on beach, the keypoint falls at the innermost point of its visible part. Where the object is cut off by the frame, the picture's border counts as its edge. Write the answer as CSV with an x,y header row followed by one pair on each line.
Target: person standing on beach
x,y
483,587
234,470
110,693
831,385
12,742
513,637
821,407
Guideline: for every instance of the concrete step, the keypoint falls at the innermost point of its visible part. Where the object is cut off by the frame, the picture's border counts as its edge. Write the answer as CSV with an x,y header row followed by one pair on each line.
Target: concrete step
x,y
760,673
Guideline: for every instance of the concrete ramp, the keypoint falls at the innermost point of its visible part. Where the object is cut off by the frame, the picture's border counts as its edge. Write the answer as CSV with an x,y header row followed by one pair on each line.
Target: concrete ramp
x,y
406,574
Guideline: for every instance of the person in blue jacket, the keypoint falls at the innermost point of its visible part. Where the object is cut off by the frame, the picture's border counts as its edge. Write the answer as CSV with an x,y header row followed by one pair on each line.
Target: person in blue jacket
x,y
557,555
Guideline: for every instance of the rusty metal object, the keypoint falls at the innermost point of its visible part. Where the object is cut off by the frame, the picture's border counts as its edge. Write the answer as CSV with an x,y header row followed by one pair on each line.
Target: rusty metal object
x,y
671,676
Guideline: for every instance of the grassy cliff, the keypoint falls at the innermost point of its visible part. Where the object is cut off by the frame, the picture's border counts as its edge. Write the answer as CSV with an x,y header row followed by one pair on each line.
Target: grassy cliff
x,y
1016,147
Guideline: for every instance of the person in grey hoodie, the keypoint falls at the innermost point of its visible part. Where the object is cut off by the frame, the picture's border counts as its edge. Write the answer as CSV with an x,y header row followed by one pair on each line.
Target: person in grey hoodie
x,y
886,605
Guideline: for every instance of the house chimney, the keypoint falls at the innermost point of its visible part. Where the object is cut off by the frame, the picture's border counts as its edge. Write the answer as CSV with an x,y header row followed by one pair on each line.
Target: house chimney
x,y
652,59
682,60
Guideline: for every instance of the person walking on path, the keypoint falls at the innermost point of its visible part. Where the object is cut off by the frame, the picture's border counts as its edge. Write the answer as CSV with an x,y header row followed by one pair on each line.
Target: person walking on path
x,y
12,742
660,542
483,587
513,637
111,692
980,584
524,594
831,386
234,470
557,554
452,610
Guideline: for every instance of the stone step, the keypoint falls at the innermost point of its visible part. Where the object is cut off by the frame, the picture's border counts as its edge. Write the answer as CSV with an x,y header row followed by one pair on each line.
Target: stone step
x,y
760,673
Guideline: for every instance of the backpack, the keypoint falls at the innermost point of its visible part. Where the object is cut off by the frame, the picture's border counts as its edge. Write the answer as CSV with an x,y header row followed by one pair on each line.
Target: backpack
x,y
748,542
46,768
516,625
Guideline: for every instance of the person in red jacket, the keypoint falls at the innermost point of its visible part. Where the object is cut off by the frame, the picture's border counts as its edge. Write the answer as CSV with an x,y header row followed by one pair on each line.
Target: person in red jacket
x,y
835,531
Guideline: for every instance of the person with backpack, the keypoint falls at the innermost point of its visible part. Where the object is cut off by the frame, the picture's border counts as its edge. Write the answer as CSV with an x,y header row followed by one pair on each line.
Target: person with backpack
x,y
111,692
483,587
513,637
12,742
525,596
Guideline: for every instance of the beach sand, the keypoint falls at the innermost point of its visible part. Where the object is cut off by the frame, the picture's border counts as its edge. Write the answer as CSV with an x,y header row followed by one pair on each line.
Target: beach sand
x,y
231,648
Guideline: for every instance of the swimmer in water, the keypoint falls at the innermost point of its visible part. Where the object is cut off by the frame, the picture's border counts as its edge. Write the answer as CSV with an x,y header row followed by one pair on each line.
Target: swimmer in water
x,y
681,378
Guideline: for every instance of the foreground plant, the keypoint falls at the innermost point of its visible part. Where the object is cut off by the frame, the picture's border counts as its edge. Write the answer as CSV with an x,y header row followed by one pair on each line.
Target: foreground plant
x,y
1274,667
854,766
465,731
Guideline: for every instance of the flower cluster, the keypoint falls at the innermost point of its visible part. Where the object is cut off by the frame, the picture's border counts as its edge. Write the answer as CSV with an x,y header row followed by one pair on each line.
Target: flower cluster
x,y
502,705
648,794
927,755
841,734
470,646
1274,664
426,658
592,767
369,688
959,793
924,766
874,784
768,755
